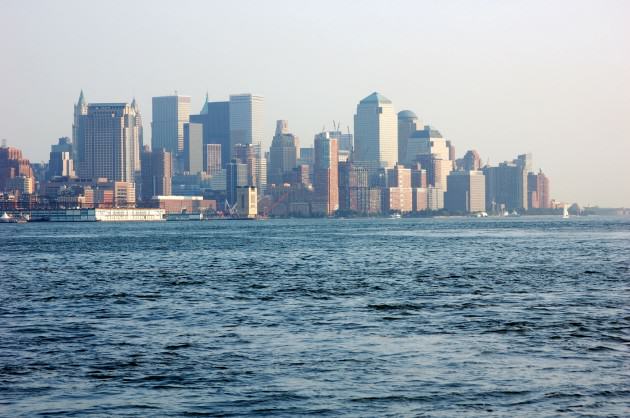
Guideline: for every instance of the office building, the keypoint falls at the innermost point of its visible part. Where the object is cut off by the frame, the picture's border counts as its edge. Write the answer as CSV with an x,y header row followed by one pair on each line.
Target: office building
x,y
236,176
156,174
397,195
325,174
246,119
170,113
408,123
471,161
538,191
108,139
215,118
466,192
80,109
375,133
247,201
283,154
353,188
506,187
60,162
435,198
419,199
193,152
213,158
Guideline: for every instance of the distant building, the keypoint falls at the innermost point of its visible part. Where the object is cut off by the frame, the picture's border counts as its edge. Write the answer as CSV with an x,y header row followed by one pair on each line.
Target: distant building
x,y
435,198
215,118
506,187
246,119
61,163
397,195
419,199
80,109
21,184
247,201
236,176
538,196
283,154
418,176
109,138
466,192
471,161
193,148
325,174
353,188
170,113
213,158
156,174
408,123
306,156
375,133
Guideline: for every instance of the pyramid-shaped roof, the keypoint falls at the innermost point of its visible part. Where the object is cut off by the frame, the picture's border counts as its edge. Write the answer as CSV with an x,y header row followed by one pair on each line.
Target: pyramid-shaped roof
x,y
376,98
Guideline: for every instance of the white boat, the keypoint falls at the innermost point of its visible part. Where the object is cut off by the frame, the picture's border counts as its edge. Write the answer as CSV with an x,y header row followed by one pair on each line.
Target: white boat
x,y
8,219
395,216
565,212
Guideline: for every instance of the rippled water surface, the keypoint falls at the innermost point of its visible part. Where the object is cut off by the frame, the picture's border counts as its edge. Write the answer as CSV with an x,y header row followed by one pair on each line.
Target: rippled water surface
x,y
441,317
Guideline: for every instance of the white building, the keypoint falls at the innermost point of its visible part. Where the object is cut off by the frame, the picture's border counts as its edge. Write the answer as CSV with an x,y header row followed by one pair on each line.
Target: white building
x,y
167,126
375,131
193,148
246,119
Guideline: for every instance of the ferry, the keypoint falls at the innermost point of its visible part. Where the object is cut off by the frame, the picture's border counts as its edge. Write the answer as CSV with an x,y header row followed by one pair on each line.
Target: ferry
x,y
8,219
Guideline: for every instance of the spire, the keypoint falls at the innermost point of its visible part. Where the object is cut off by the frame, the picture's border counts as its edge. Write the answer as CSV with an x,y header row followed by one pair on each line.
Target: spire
x,y
134,105
81,101
204,109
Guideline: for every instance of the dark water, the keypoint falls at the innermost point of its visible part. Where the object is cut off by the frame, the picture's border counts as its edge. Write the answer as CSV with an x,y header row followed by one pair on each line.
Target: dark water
x,y
445,317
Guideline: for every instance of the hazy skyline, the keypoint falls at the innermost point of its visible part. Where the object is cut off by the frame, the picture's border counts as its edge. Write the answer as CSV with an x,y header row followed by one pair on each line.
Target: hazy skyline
x,y
501,77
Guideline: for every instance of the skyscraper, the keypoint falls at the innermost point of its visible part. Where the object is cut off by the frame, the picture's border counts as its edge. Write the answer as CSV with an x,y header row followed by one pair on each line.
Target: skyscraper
x,y
246,119
215,118
236,176
213,158
80,109
108,139
60,162
375,133
538,191
139,143
466,192
283,154
157,172
167,126
408,123
325,172
471,161
193,148
506,187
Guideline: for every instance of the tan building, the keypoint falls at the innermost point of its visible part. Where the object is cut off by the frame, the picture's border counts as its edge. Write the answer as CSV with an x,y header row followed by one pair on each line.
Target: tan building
x,y
247,201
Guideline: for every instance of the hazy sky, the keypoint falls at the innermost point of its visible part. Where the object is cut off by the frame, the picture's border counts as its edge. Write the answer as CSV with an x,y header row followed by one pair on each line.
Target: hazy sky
x,y
503,77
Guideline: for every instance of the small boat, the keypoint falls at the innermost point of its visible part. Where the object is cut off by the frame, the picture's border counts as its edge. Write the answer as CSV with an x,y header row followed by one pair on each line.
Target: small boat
x,y
8,219
565,212
395,216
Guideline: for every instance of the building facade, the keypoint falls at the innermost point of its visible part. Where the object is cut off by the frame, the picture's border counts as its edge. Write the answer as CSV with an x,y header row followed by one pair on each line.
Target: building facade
x,y
375,132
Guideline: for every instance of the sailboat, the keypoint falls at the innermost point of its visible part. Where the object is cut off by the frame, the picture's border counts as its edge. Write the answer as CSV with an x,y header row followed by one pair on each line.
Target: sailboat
x,y
565,213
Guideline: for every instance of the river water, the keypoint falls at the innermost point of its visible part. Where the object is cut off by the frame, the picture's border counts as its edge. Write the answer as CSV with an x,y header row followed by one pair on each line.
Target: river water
x,y
450,317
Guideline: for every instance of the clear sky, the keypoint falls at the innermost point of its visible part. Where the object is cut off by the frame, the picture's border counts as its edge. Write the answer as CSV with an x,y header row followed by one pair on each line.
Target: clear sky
x,y
503,77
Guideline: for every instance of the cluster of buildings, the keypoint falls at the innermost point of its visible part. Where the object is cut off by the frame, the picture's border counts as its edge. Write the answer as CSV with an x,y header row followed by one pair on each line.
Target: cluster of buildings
x,y
213,162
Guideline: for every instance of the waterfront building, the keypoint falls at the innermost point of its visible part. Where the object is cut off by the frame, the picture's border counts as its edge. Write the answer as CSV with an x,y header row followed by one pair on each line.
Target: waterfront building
x,y
506,187
538,191
236,176
61,163
353,188
247,201
419,199
21,184
435,198
193,148
170,113
12,165
283,154
156,173
408,123
108,137
246,119
466,192
325,174
397,195
375,133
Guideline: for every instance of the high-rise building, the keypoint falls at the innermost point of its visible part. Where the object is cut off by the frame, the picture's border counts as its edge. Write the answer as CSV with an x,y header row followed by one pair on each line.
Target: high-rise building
x,y
375,133
425,142
213,158
353,188
408,123
283,154
170,113
325,172
466,192
60,163
418,176
471,161
419,199
506,187
157,173
108,139
139,143
538,191
397,195
236,176
247,201
215,118
435,198
246,119
193,148
80,109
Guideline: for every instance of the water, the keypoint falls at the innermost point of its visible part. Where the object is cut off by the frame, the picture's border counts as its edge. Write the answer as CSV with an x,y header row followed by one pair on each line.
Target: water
x,y
443,317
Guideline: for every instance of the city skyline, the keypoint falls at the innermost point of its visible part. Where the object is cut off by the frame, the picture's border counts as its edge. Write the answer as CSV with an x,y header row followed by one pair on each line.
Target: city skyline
x,y
505,91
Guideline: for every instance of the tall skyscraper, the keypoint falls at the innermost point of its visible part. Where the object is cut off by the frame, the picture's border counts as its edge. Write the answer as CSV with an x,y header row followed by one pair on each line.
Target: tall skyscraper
x,y
466,192
246,119
538,191
283,154
60,163
506,187
213,158
108,137
408,123
375,133
215,118
471,161
157,173
325,171
167,126
80,109
236,176
193,148
139,144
